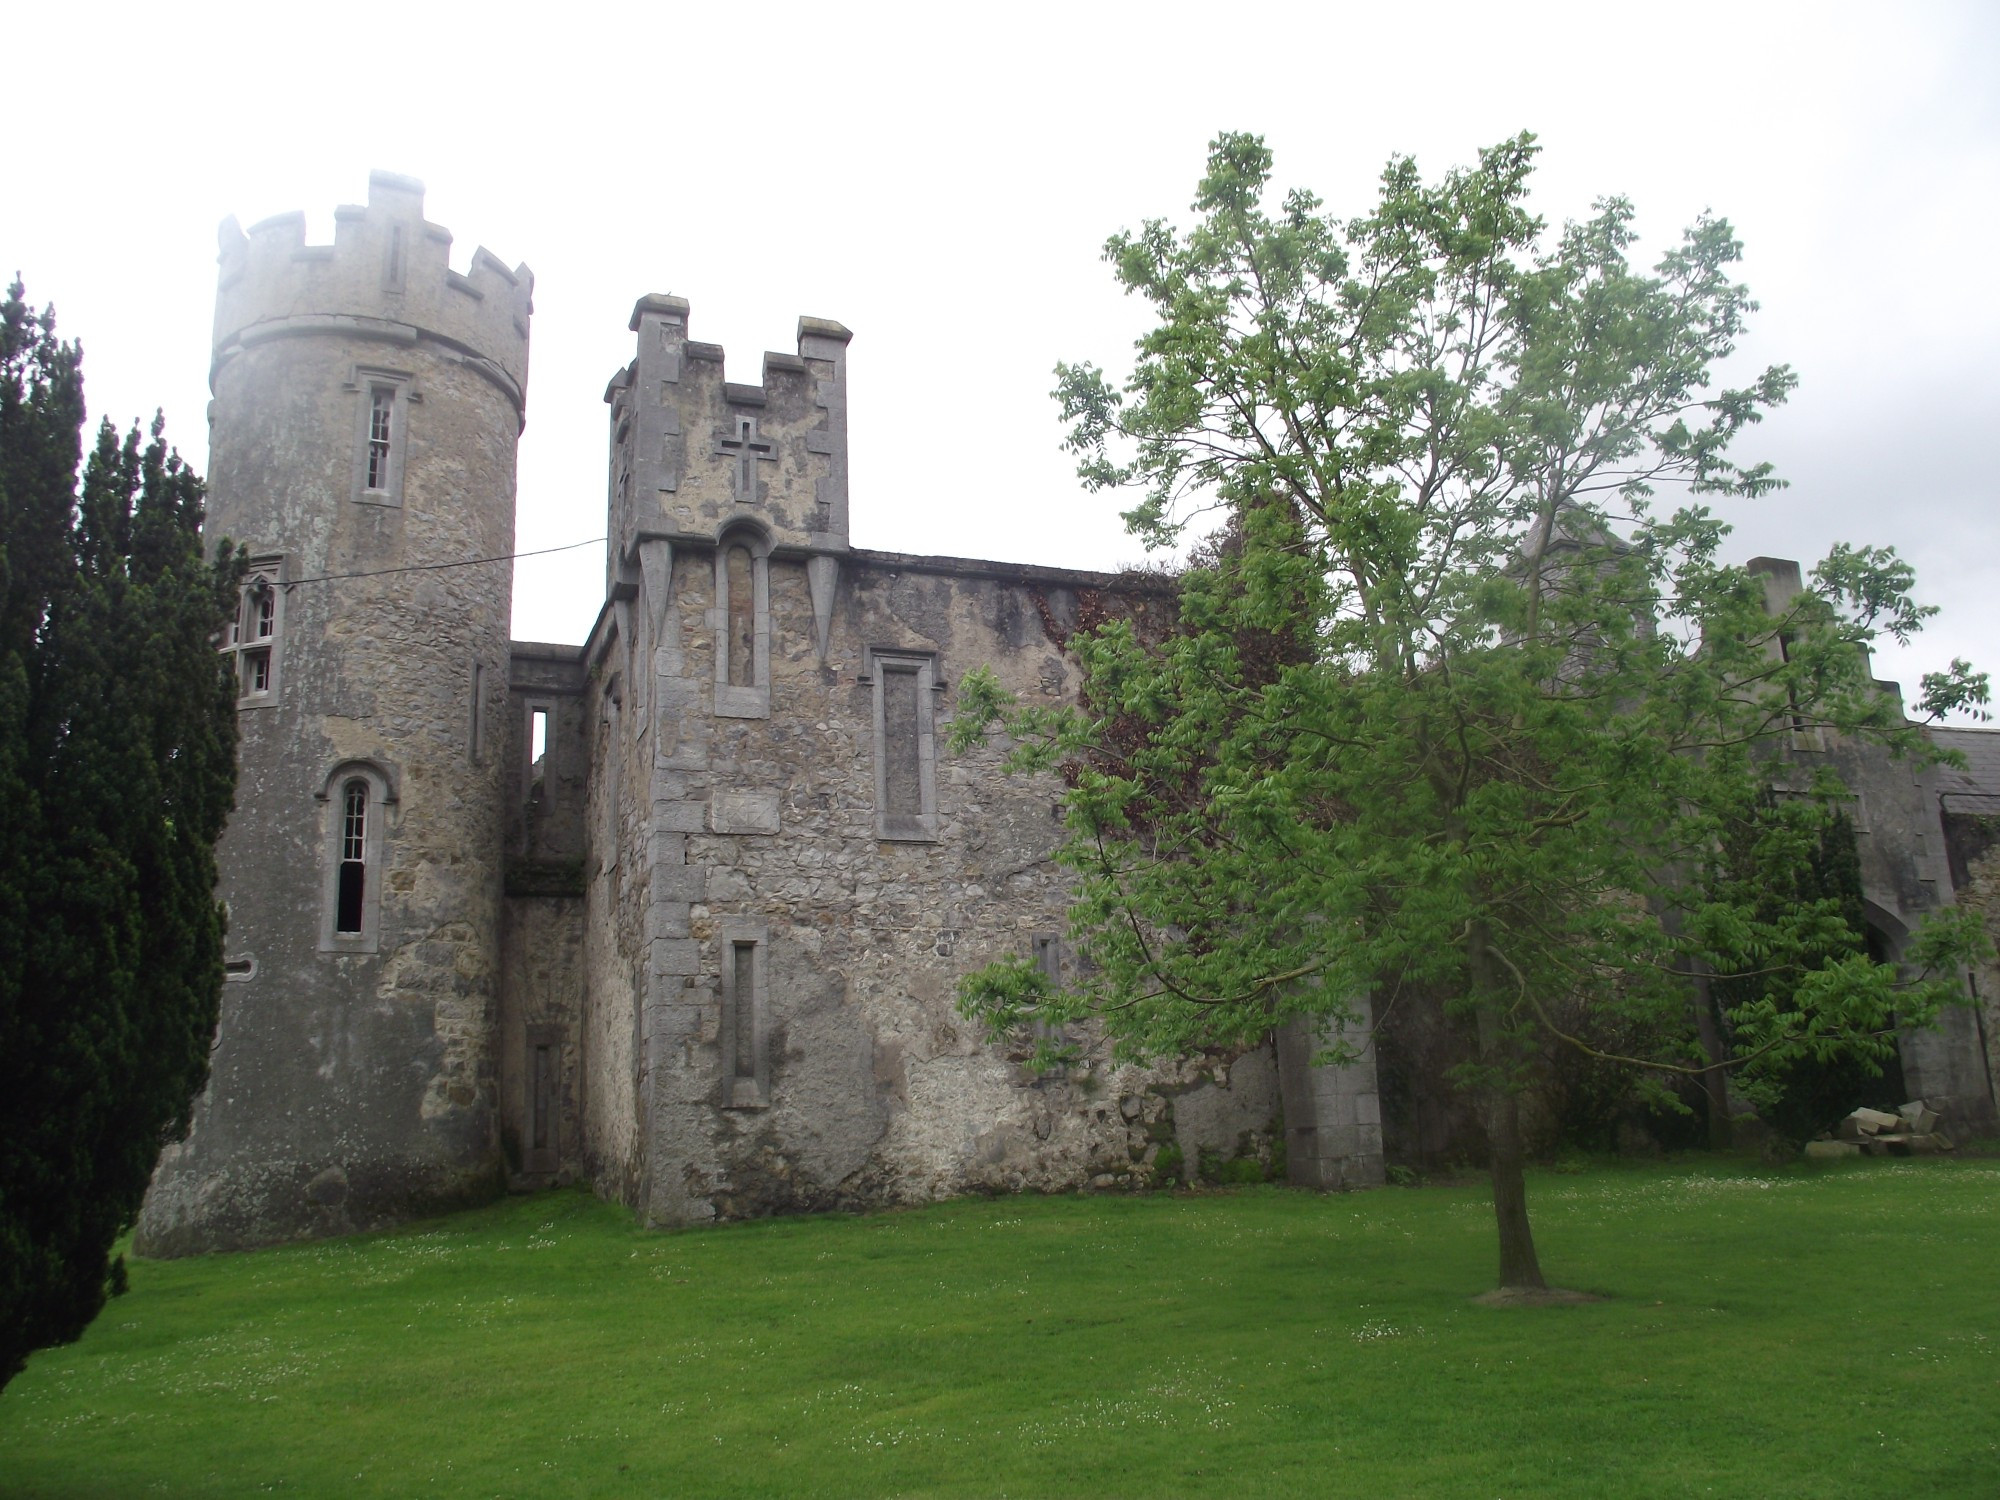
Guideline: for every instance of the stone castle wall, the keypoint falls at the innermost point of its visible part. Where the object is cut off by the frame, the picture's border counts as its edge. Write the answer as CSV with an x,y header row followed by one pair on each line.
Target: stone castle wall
x,y
789,873
1905,878
1969,796
1980,835
872,1089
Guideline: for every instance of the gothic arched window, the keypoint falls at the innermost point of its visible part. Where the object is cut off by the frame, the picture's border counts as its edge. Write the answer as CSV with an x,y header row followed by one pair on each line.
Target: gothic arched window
x,y
743,625
253,636
740,624
358,797
352,881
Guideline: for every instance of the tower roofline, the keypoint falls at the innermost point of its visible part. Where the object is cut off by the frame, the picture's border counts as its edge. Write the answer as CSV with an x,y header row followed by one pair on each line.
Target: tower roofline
x,y
387,274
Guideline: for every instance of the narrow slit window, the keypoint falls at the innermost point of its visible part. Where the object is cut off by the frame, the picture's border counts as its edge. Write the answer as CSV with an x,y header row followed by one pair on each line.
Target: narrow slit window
x,y
1791,693
538,752
905,745
611,797
476,725
256,672
1048,959
264,607
743,956
742,644
543,1126
746,1076
1048,956
902,781
392,263
381,408
353,859
1806,733
742,623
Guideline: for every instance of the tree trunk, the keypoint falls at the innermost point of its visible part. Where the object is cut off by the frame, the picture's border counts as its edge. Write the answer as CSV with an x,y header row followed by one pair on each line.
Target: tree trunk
x,y
1714,1082
1502,1115
1518,1266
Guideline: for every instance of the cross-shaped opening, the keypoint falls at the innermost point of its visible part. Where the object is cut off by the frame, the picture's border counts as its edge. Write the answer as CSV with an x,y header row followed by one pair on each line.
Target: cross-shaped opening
x,y
747,448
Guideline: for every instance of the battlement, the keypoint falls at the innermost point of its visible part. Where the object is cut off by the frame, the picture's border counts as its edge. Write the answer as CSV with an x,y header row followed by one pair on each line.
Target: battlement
x,y
671,314
387,274
694,453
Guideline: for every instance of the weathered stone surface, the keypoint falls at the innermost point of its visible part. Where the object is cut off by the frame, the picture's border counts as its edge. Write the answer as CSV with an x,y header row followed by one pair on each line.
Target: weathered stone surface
x,y
872,1089
744,812
1333,1115
1968,800
1865,1124
1920,841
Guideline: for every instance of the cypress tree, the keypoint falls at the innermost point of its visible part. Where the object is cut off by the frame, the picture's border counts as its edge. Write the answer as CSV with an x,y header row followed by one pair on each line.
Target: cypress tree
x,y
117,771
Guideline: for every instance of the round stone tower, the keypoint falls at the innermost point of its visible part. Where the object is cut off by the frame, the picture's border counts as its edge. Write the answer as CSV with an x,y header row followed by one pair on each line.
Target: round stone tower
x,y
367,404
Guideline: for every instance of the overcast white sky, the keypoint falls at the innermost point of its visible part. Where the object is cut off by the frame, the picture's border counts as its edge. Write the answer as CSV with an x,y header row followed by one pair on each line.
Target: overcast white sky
x,y
941,179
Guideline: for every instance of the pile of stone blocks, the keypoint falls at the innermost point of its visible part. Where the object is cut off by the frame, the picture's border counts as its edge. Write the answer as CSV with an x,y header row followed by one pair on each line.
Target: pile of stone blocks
x,y
1911,1131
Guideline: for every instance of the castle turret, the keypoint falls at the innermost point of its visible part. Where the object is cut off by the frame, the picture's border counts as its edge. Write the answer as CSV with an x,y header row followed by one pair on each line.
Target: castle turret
x,y
695,455
367,404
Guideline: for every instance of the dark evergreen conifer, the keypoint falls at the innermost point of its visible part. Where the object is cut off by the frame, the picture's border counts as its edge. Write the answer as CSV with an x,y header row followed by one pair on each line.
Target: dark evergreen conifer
x,y
117,770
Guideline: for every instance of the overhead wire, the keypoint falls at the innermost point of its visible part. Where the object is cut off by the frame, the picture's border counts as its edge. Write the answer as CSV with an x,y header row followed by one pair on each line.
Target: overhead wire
x,y
469,562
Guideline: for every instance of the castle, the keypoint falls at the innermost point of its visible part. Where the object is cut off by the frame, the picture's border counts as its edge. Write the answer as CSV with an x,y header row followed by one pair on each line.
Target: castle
x,y
680,912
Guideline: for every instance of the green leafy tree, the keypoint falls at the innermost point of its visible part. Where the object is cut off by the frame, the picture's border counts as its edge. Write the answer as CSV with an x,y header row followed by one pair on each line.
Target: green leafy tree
x,y
117,769
1453,699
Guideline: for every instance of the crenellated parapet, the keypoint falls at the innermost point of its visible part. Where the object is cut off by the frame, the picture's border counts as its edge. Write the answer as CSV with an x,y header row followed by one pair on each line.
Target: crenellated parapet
x,y
694,453
385,277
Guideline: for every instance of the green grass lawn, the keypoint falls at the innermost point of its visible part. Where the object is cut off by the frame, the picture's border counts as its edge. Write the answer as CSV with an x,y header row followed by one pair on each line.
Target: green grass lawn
x,y
1767,1332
